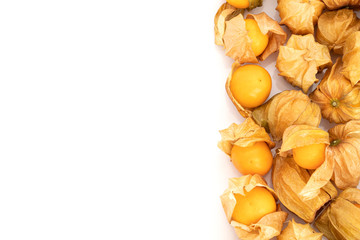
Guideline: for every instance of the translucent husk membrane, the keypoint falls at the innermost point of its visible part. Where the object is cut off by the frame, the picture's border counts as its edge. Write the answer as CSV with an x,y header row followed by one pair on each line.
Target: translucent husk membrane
x,y
274,114
341,219
344,151
297,231
231,33
336,4
351,58
268,226
301,59
334,27
300,16
338,99
303,135
243,135
289,180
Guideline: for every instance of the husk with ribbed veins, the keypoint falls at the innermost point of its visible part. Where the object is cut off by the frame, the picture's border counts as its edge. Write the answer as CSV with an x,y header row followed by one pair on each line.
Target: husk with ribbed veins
x,y
243,135
297,231
274,114
225,12
336,4
230,32
303,135
289,180
300,16
334,27
344,150
351,58
301,59
341,219
268,226
338,99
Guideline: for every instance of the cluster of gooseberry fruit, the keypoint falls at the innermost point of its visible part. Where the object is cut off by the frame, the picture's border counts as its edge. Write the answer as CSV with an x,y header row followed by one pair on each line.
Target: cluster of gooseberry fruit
x,y
251,86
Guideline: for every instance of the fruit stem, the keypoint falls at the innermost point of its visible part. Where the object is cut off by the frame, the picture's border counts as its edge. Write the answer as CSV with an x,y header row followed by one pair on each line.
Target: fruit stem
x,y
335,142
335,103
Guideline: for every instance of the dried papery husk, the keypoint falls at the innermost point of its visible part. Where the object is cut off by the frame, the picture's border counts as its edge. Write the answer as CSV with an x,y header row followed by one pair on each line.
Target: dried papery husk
x,y
334,27
225,12
303,135
289,180
344,150
297,231
243,135
245,112
338,99
336,4
351,58
285,109
237,43
300,16
270,27
268,226
301,59
341,219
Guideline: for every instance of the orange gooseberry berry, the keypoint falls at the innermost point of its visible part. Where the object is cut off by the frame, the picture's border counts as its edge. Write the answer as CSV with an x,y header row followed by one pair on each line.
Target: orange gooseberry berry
x,y
259,41
253,206
239,3
310,156
253,159
250,85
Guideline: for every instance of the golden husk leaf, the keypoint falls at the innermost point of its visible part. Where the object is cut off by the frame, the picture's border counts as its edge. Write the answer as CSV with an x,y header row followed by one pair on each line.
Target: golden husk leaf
x,y
338,99
351,58
277,36
275,113
334,27
303,135
243,135
301,59
336,4
237,43
300,16
289,180
225,12
341,220
297,231
268,226
344,150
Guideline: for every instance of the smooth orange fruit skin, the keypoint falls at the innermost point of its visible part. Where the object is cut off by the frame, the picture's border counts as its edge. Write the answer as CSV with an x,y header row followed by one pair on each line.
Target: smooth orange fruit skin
x,y
259,41
250,85
310,156
251,160
239,3
253,206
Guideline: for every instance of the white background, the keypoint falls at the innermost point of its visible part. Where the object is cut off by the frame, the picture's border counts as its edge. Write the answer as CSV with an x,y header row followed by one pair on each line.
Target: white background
x,y
110,112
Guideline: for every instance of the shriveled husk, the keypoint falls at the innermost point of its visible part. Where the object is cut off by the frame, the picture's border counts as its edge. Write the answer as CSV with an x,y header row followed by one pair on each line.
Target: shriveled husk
x,y
301,59
334,27
341,219
243,135
268,226
351,58
285,109
336,4
231,33
344,150
297,231
303,135
289,180
338,99
300,16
